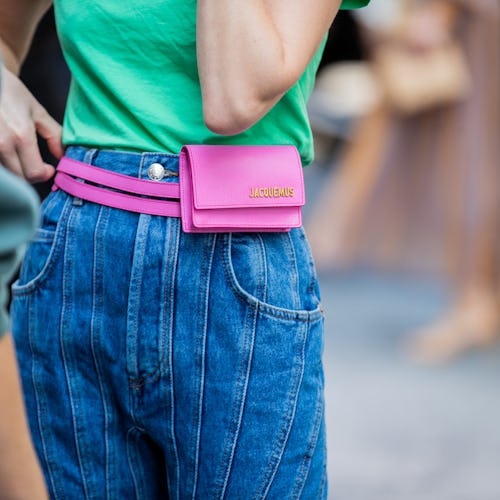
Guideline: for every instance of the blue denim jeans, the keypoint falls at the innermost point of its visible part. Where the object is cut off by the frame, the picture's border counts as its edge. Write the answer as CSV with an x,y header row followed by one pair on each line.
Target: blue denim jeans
x,y
159,364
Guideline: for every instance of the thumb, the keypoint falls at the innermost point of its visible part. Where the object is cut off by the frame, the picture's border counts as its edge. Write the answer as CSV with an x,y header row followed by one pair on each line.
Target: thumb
x,y
49,129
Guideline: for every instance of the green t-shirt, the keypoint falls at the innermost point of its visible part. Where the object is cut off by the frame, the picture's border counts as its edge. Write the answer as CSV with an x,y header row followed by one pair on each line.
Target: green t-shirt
x,y
354,4
135,82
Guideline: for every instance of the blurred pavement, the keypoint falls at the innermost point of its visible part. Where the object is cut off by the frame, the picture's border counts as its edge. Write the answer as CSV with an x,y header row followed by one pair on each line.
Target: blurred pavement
x,y
397,430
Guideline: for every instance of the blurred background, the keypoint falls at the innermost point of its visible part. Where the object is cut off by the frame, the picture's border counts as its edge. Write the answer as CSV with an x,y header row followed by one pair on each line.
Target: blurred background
x,y
403,217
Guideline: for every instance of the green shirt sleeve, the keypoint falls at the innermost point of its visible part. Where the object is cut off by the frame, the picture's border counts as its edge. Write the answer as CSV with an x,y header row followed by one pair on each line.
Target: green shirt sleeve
x,y
18,218
354,4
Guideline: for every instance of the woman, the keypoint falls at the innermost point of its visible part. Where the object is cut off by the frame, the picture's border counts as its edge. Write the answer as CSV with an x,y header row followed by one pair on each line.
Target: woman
x,y
20,473
153,360
420,189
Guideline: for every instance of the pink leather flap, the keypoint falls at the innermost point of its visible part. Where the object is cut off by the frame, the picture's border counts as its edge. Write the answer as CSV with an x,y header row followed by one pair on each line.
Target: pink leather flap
x,y
246,176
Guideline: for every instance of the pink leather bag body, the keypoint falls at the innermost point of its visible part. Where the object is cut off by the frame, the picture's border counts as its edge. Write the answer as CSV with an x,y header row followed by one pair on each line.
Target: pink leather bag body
x,y
221,189
240,188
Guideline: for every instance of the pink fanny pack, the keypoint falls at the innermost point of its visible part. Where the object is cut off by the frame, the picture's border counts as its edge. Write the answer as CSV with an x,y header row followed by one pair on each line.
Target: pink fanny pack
x,y
220,189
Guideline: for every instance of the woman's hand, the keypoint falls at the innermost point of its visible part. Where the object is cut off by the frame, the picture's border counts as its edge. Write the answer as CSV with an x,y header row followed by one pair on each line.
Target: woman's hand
x,y
21,117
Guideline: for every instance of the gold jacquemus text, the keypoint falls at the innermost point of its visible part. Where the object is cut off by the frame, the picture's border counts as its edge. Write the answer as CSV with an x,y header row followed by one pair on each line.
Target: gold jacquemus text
x,y
272,192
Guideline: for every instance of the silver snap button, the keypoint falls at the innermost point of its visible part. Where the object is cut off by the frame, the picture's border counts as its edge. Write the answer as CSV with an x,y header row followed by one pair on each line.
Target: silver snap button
x,y
156,172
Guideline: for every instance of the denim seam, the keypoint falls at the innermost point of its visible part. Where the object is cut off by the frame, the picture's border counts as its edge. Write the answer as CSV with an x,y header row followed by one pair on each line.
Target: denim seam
x,y
239,400
52,258
203,294
166,291
46,206
264,268
43,240
296,279
133,305
66,308
137,486
265,309
41,408
154,374
141,165
95,329
195,423
245,378
293,395
312,271
43,235
323,483
131,401
170,360
313,441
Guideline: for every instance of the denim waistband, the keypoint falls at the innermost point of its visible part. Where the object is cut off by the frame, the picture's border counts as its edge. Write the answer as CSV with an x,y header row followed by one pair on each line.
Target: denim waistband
x,y
126,162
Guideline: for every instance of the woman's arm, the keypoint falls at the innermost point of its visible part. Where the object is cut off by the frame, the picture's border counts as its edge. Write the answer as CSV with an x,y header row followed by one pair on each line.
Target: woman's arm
x,y
21,115
20,474
18,21
250,52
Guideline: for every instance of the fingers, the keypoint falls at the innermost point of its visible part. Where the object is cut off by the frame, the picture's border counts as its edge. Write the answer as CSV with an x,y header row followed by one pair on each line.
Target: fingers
x,y
8,153
21,117
49,129
33,167
19,153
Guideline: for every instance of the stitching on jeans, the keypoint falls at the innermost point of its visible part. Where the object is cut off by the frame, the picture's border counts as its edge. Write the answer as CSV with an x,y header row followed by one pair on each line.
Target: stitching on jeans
x,y
195,422
95,325
162,366
265,309
41,409
194,444
323,483
137,486
313,441
52,259
296,278
172,251
288,419
239,400
138,288
153,375
312,271
204,326
245,377
66,308
170,356
264,269
133,309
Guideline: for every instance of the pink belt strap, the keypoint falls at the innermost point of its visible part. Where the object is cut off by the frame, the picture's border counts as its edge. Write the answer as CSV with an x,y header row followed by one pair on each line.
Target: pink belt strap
x,y
221,188
68,169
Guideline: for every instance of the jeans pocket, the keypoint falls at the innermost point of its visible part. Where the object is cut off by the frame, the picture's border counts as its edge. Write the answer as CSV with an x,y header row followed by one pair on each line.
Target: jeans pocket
x,y
274,272
44,248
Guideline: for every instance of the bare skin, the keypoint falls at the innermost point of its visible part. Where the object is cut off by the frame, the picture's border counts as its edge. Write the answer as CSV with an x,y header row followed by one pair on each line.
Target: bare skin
x,y
249,53
20,474
21,115
473,321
